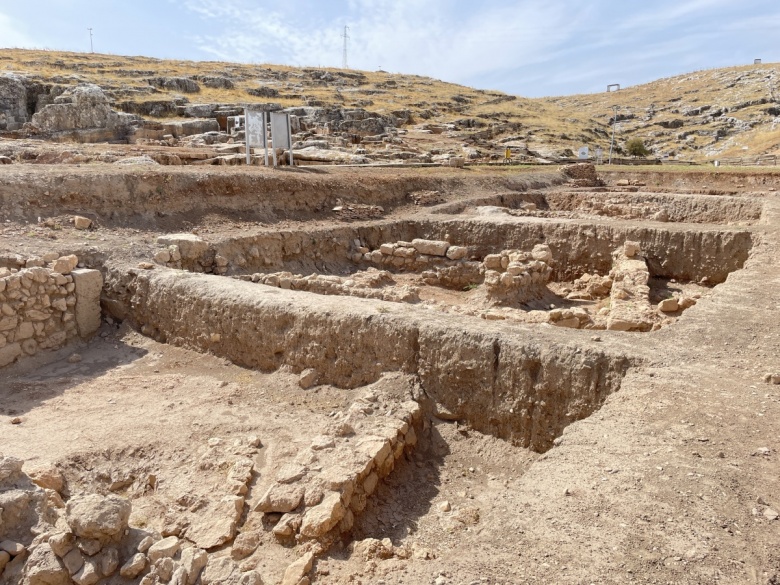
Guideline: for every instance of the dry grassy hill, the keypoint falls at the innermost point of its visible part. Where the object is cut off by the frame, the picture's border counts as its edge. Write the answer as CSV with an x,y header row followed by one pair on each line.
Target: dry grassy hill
x,y
698,116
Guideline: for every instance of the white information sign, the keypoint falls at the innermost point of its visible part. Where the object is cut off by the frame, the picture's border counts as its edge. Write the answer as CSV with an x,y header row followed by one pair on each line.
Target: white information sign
x,y
583,153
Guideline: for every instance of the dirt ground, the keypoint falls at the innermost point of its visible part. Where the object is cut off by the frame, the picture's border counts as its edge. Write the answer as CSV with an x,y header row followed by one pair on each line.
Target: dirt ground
x,y
673,480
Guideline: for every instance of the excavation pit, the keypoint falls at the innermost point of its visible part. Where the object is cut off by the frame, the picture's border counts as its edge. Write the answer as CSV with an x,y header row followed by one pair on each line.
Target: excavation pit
x,y
240,374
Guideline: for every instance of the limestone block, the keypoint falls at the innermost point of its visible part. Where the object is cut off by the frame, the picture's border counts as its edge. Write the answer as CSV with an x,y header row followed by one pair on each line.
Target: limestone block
x,y
668,305
457,252
81,223
322,518
191,247
165,548
133,567
9,353
89,284
65,264
431,247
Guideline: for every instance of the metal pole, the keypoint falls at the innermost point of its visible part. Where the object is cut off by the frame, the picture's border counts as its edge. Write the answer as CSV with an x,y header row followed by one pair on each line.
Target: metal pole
x,y
91,47
265,137
289,138
246,135
614,125
345,64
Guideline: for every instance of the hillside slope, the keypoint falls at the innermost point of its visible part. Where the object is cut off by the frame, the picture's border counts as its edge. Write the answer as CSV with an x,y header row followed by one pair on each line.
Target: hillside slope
x,y
697,116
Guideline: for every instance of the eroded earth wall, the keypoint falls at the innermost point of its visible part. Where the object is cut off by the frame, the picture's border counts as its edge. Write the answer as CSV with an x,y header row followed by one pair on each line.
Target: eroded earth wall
x,y
499,381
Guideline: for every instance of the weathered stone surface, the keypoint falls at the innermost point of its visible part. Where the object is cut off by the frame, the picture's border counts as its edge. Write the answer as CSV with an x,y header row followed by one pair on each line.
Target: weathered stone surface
x,y
48,477
167,547
81,223
668,305
65,264
13,102
320,519
133,567
193,560
80,108
217,525
97,517
191,247
10,468
308,378
298,570
431,247
9,354
280,498
89,284
44,568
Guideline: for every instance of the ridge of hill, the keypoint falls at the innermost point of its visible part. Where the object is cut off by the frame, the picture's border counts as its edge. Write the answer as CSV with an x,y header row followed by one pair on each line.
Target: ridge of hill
x,y
697,116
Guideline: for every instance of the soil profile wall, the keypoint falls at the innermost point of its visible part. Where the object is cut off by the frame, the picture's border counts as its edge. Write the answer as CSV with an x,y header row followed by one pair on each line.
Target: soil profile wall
x,y
520,389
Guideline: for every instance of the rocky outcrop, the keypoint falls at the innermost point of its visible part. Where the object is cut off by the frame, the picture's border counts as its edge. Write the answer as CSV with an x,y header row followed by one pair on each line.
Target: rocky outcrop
x,y
13,102
180,84
85,112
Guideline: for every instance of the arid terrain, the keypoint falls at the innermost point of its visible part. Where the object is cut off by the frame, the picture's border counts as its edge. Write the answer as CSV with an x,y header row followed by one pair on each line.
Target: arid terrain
x,y
454,373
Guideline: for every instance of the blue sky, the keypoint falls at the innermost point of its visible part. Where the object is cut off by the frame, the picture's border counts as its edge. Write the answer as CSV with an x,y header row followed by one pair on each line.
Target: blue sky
x,y
525,47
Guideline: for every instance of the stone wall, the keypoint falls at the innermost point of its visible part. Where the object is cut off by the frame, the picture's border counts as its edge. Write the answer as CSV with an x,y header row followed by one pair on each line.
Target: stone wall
x,y
44,305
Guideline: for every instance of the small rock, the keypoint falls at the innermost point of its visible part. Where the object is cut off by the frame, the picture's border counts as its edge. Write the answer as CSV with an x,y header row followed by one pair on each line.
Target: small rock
x,y
62,543
81,223
193,560
74,359
145,265
12,548
16,420
765,451
770,514
132,568
89,546
167,547
308,378
322,442
4,558
668,305
444,506
631,249
145,544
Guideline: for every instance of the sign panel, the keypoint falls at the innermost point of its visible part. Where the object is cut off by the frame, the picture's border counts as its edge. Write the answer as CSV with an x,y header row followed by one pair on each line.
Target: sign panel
x,y
583,153
254,128
280,130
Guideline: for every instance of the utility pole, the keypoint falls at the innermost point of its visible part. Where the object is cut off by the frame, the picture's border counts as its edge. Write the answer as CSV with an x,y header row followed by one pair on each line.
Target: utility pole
x,y
345,36
91,47
614,125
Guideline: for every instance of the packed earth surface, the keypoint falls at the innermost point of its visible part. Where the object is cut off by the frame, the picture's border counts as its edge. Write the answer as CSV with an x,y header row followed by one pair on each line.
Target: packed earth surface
x,y
330,375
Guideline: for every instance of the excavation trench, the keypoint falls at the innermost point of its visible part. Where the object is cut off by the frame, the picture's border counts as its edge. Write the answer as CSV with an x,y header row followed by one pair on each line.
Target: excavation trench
x,y
577,247
522,387
662,207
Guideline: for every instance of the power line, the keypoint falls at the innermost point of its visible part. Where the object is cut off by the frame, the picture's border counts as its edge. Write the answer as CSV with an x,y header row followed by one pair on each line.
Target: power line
x,y
345,36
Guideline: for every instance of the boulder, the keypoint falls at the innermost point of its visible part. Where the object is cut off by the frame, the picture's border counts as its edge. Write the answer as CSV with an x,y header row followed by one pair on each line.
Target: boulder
x,y
44,568
10,468
99,517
